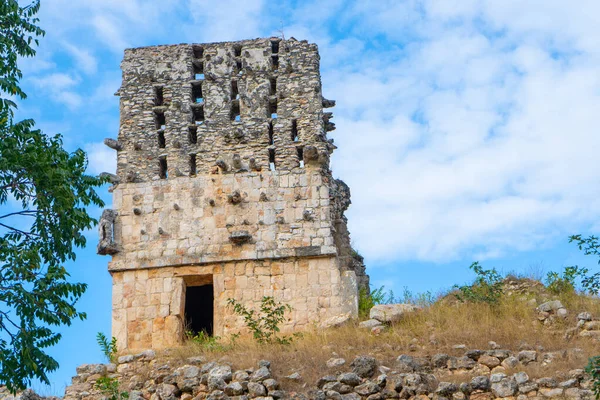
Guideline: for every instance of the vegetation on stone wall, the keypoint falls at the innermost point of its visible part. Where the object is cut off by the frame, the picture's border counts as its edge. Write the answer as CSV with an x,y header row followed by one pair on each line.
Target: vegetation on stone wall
x,y
264,323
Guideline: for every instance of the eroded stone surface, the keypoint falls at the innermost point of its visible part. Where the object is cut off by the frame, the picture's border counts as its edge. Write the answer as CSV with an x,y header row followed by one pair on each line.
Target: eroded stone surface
x,y
223,178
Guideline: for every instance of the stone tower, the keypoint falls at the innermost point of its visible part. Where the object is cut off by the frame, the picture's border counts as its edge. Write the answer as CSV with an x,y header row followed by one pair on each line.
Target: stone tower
x,y
223,190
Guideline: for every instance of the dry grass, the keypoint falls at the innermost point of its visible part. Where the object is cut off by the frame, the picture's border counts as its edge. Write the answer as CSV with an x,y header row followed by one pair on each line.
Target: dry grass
x,y
435,329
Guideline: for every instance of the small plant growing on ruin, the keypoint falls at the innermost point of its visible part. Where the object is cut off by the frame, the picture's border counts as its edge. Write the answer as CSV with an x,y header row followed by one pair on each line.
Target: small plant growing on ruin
x,y
264,324
108,348
565,282
593,369
487,287
207,342
110,388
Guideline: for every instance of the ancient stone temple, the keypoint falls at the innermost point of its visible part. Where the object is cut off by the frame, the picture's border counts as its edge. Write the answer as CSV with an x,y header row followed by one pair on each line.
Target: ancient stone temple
x,y
223,190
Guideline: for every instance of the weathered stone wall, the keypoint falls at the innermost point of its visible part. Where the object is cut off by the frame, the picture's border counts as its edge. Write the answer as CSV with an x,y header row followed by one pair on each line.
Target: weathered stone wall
x,y
287,97
190,220
223,170
148,304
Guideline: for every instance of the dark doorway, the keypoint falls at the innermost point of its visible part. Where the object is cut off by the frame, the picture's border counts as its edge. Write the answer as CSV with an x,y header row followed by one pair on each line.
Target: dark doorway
x,y
199,309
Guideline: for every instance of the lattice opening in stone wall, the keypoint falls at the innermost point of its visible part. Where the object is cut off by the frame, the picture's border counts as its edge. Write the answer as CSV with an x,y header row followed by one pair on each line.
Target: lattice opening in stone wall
x,y
198,69
237,50
160,120
198,112
273,108
193,135
294,130
193,168
198,51
158,96
271,140
162,164
197,96
272,159
300,152
235,111
235,93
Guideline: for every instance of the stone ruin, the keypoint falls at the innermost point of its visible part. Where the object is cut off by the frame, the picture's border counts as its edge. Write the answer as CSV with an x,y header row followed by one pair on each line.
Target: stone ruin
x,y
223,190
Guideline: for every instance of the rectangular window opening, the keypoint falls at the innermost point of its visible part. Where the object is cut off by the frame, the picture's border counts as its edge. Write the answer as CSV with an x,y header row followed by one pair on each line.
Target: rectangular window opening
x,y
193,135
198,51
235,94
273,83
198,114
197,94
270,133
198,69
158,96
273,108
275,59
192,164
235,111
237,51
162,162
199,309
294,130
272,159
161,139
300,151
238,67
160,120
275,46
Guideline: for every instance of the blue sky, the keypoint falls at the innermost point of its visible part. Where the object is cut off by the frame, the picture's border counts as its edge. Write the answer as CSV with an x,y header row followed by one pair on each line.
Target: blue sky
x,y
467,129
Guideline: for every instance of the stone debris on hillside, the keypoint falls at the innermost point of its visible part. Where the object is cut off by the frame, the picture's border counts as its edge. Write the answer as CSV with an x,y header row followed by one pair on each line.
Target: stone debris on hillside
x,y
144,377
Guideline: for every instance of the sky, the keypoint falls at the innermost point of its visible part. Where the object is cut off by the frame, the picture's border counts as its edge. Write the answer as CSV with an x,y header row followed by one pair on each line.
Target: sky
x,y
466,129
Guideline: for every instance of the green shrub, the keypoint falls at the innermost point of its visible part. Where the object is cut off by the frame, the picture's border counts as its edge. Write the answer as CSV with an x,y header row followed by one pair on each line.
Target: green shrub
x,y
589,246
109,349
264,324
487,287
110,388
107,385
593,369
565,282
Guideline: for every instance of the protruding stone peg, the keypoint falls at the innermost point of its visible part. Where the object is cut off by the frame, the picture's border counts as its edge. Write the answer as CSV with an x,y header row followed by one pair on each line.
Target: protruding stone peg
x,y
221,164
235,197
308,215
132,176
311,154
112,178
253,165
240,237
113,144
328,103
237,161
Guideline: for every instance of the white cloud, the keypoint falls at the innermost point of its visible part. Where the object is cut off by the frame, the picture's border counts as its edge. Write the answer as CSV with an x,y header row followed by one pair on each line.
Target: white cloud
x,y
59,87
101,158
86,62
492,146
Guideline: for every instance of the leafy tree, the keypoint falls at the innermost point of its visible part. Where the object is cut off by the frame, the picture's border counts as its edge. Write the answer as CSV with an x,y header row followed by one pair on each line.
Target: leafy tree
x,y
43,194
590,247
